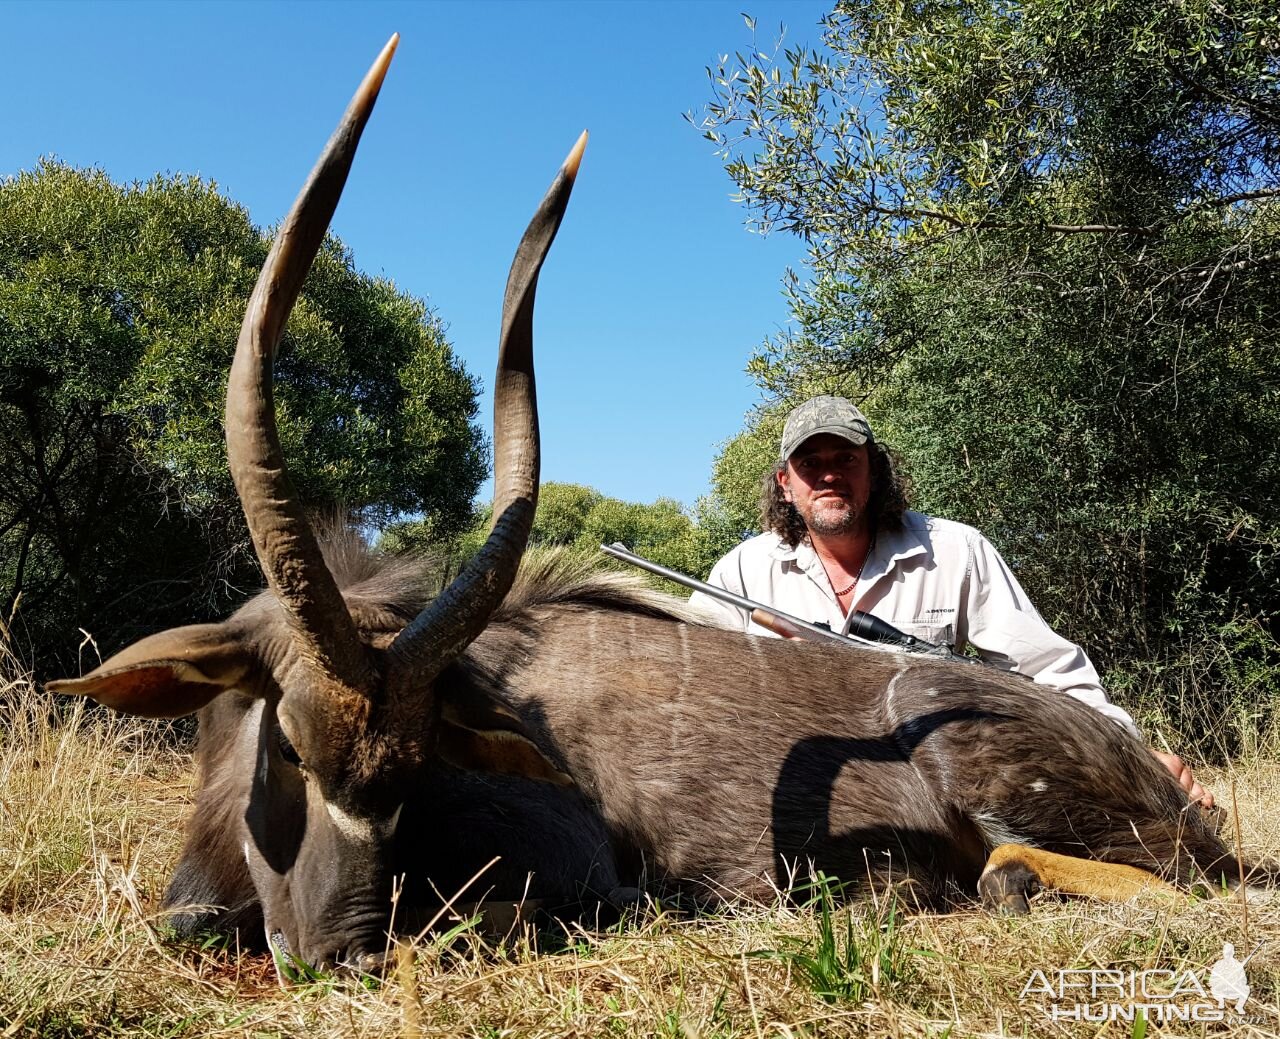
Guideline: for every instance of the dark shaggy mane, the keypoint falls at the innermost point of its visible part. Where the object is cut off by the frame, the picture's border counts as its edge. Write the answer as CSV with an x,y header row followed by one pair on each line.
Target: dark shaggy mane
x,y
559,576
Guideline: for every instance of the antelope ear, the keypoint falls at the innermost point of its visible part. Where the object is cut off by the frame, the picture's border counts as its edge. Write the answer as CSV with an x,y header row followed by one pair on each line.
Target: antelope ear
x,y
483,734
165,675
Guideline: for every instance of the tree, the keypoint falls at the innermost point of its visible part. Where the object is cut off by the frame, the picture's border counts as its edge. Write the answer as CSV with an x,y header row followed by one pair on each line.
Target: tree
x,y
1044,251
577,517
119,311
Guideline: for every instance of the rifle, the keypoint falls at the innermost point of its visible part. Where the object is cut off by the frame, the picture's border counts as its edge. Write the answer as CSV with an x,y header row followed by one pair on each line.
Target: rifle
x,y
864,630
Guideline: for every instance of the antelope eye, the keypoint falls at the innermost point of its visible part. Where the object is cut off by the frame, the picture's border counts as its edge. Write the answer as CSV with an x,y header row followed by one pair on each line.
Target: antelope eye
x,y
287,749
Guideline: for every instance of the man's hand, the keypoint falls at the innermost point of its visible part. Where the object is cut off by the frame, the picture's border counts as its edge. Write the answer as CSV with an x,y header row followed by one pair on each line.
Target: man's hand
x,y
1181,771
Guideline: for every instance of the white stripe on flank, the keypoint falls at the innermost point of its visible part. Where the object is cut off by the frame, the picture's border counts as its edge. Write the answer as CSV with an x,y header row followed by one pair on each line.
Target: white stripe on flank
x,y
888,695
686,666
759,674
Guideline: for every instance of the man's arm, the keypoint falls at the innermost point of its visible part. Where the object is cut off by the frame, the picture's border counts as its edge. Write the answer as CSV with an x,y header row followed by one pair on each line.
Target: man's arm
x,y
1007,630
725,574
1001,623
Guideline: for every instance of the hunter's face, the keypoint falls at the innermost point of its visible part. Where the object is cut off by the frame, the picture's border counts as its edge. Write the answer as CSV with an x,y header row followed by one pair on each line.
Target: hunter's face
x,y
828,480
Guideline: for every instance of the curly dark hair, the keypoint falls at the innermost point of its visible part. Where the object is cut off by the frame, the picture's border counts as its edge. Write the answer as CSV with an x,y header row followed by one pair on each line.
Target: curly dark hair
x,y
890,498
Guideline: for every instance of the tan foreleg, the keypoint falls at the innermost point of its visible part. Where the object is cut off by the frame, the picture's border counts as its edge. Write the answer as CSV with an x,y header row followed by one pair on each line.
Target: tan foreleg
x,y
1015,872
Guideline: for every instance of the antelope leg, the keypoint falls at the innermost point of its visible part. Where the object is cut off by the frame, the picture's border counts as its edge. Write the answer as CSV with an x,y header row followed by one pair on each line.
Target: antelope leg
x,y
1015,872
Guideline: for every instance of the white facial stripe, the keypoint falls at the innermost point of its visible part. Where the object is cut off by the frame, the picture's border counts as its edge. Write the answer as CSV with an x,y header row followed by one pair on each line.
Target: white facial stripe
x,y
357,829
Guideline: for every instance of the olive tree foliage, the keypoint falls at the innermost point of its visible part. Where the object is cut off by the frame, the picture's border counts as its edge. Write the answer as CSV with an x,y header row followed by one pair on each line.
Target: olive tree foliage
x,y
119,310
1043,249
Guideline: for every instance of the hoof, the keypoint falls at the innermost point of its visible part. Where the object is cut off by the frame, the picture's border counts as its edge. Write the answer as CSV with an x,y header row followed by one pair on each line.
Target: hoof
x,y
627,898
1008,889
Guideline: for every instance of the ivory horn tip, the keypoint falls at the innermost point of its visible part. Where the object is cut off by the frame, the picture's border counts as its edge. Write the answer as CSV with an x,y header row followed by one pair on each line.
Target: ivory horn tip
x,y
574,160
378,70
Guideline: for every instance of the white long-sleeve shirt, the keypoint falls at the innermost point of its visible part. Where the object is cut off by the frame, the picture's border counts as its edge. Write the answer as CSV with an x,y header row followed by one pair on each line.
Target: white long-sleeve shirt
x,y
938,580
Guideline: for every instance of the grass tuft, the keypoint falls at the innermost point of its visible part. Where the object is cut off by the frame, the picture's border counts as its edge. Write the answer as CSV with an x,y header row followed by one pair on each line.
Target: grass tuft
x,y
856,952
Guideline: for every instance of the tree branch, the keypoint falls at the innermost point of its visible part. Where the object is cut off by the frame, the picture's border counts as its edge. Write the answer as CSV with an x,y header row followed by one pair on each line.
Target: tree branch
x,y
1262,194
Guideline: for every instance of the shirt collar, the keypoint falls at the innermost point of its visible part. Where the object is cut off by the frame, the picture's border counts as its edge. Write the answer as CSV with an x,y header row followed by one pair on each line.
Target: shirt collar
x,y
893,546
785,553
890,548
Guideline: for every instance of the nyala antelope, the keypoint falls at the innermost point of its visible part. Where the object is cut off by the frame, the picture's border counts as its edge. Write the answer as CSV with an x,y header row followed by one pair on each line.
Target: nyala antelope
x,y
354,730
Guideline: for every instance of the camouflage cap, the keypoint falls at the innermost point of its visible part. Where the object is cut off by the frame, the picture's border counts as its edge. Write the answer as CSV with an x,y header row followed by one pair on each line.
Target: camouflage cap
x,y
824,415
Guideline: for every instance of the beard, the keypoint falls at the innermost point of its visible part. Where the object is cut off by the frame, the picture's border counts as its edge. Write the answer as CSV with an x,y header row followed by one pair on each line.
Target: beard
x,y
833,517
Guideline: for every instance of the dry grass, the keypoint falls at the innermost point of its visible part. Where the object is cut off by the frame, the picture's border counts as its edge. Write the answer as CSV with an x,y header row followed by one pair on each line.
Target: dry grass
x,y
90,817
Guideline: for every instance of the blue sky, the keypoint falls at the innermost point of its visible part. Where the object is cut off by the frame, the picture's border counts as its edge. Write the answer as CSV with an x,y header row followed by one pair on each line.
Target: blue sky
x,y
655,293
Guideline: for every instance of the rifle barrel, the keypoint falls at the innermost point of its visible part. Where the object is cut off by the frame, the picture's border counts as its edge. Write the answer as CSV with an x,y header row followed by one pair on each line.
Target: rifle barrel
x,y
620,551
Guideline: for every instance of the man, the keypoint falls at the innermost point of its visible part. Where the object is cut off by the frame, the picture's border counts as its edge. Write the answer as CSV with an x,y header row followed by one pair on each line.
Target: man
x,y
839,536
